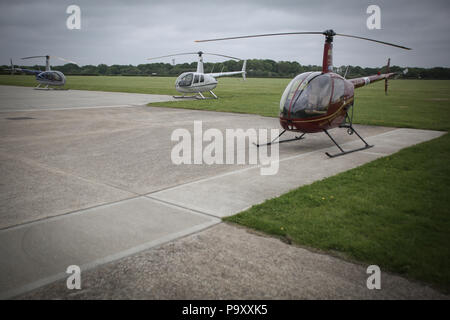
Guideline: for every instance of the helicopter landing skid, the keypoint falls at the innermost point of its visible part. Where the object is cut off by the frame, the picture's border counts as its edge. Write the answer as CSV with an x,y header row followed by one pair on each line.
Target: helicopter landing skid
x,y
281,141
185,97
350,131
200,96
38,87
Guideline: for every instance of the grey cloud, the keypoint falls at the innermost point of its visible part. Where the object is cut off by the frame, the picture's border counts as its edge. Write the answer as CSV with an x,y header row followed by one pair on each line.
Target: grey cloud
x,y
126,32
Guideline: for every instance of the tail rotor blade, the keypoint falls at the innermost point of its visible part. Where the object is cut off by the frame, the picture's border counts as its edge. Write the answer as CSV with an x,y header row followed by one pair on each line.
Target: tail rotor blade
x,y
12,66
386,79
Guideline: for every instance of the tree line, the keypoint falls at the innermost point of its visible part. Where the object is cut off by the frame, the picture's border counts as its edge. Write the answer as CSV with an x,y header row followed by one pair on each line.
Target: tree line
x,y
255,68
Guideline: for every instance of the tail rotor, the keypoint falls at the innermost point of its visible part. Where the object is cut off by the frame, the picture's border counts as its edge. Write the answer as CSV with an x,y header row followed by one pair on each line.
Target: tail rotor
x,y
12,66
387,78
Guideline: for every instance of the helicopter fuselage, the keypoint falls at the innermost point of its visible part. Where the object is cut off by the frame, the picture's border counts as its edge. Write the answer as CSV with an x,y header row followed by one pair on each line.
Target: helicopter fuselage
x,y
314,101
193,82
52,78
318,101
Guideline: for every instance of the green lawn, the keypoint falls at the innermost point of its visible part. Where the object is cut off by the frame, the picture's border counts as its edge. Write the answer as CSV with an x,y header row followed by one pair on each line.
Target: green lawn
x,y
410,103
157,85
392,212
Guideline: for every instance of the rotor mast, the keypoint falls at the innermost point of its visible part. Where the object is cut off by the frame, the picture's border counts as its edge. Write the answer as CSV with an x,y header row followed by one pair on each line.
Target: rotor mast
x,y
200,62
327,62
47,63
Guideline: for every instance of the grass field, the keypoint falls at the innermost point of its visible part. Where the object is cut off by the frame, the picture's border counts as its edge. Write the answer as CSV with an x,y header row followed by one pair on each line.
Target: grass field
x,y
393,212
156,85
410,103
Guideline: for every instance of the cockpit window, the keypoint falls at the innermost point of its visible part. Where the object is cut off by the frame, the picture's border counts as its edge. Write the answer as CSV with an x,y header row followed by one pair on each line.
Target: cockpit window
x,y
50,76
196,78
186,80
314,98
290,90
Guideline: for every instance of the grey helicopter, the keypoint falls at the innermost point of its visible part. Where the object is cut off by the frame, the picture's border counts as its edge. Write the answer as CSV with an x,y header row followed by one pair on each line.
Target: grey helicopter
x,y
45,78
199,82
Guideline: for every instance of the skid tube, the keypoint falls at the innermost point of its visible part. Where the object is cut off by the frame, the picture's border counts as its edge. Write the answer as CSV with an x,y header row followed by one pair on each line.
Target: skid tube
x,y
350,130
282,141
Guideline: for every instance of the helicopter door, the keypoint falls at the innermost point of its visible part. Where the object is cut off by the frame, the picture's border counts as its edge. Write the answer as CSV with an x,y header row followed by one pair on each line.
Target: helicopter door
x,y
196,78
338,90
55,76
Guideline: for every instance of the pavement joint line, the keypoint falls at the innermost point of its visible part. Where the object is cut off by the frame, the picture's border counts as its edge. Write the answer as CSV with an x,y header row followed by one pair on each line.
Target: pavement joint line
x,y
68,108
64,215
191,210
143,125
32,162
111,258
80,211
257,166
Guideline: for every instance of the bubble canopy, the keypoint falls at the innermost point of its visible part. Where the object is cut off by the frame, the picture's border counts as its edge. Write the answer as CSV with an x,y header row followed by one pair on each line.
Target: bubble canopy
x,y
185,79
307,95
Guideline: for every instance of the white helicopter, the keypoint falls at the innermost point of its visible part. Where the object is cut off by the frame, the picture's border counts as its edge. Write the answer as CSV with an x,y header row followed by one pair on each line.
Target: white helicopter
x,y
198,82
48,77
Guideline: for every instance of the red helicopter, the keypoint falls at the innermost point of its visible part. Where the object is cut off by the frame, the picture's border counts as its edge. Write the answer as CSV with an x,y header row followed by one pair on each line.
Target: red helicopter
x,y
319,101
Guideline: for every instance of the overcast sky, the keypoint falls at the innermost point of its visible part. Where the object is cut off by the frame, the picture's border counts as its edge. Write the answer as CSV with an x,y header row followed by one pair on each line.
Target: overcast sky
x,y
127,32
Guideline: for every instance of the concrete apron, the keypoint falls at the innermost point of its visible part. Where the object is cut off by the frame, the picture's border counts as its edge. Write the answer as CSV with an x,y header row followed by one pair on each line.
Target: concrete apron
x,y
80,187
232,192
88,238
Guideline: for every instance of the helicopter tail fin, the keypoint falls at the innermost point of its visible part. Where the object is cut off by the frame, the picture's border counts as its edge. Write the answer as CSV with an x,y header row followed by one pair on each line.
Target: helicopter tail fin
x,y
13,70
386,79
243,70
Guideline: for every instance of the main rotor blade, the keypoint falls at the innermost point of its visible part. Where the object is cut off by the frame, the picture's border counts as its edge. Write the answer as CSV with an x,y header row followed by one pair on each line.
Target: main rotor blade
x,y
196,53
171,55
34,57
308,32
63,59
378,41
260,35
221,55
